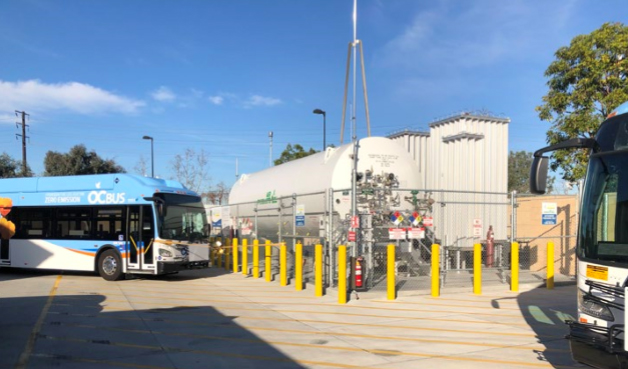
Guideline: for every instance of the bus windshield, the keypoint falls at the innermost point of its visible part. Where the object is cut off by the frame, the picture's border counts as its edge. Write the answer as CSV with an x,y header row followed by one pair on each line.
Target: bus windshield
x,y
604,218
183,218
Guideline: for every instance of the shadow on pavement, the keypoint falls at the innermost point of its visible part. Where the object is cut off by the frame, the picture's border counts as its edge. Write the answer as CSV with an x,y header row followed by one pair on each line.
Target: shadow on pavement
x,y
545,311
92,331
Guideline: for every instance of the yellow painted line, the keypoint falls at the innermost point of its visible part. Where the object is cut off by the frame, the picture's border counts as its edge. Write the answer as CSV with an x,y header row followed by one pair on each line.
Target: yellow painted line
x,y
280,343
318,321
125,292
204,352
392,338
92,288
131,300
484,297
23,359
109,308
112,363
168,293
387,338
401,301
423,303
242,282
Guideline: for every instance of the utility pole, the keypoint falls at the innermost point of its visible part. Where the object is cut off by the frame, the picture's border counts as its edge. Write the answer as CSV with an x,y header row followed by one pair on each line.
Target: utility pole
x,y
24,137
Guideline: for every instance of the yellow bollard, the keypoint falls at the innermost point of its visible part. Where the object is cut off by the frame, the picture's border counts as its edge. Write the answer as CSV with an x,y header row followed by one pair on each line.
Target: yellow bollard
x,y
477,269
550,265
390,273
268,261
283,267
298,267
342,274
219,257
245,257
228,259
318,270
255,258
234,253
435,270
514,267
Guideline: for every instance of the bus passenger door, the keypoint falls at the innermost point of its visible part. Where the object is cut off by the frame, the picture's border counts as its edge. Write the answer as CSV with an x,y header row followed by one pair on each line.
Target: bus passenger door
x,y
133,239
139,245
148,237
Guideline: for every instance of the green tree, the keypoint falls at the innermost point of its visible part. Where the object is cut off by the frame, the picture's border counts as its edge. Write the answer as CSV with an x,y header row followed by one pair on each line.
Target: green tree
x,y
293,152
519,163
586,82
11,168
78,161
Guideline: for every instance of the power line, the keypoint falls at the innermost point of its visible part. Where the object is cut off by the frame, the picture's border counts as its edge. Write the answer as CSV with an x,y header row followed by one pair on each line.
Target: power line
x,y
24,137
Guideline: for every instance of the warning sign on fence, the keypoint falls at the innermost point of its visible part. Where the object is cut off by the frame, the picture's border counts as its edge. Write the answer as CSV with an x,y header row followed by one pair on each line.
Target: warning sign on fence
x,y
351,236
477,227
299,218
416,233
549,213
396,233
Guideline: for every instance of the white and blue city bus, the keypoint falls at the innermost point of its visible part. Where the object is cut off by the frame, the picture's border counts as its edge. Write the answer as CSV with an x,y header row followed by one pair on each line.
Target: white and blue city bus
x,y
114,224
597,338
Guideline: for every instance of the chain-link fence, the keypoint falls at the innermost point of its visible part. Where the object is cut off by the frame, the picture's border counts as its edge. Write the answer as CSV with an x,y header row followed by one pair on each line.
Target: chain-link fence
x,y
412,220
541,220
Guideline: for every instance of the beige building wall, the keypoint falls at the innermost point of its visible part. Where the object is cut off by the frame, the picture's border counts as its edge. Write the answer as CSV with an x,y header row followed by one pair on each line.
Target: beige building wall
x,y
534,236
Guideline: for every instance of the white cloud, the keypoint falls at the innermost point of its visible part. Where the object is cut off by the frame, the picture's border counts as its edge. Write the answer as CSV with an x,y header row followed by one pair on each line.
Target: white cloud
x,y
223,98
216,100
257,100
35,95
163,94
476,34
7,118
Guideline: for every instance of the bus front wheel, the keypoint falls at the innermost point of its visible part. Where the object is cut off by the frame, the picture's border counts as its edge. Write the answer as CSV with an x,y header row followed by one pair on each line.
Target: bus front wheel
x,y
110,265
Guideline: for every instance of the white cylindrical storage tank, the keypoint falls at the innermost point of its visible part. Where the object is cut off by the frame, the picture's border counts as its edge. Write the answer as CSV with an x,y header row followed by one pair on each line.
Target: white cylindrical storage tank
x,y
265,199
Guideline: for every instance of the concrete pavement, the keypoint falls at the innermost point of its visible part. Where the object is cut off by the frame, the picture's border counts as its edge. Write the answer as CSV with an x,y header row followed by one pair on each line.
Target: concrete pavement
x,y
211,318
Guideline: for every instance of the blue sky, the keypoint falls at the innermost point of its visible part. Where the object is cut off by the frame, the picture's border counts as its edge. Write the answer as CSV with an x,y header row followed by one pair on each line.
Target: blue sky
x,y
219,75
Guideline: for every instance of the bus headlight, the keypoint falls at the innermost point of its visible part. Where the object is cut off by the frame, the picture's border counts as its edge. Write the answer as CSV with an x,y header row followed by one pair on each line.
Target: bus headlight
x,y
165,253
594,308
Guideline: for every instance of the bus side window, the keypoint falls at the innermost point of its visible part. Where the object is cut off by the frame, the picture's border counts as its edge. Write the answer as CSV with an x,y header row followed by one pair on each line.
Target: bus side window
x,y
30,223
108,222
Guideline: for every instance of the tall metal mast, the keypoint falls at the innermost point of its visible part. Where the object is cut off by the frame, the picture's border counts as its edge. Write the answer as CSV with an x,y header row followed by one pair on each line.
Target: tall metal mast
x,y
352,51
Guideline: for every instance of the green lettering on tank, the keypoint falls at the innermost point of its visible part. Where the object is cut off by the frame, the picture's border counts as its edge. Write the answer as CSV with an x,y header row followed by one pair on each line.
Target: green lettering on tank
x,y
269,199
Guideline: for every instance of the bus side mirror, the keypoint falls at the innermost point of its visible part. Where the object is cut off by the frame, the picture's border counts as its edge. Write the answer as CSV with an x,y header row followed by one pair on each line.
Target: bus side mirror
x,y
160,209
538,175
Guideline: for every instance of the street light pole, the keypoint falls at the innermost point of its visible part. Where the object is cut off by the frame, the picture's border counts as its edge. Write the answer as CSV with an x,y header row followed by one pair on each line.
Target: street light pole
x,y
152,158
319,111
270,154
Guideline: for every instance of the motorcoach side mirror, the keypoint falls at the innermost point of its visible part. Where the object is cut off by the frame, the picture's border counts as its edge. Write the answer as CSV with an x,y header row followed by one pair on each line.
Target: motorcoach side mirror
x,y
538,175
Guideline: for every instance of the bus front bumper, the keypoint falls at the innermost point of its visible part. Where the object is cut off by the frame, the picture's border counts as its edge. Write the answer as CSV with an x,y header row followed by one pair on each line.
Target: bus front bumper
x,y
596,346
166,267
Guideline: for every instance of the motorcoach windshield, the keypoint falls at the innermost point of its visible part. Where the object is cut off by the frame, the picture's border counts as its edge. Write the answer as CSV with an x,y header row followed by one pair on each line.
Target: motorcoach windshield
x,y
182,218
604,220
